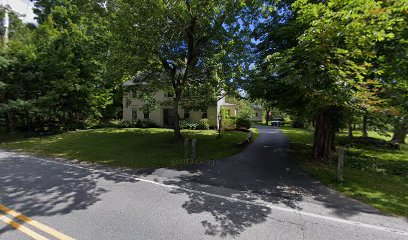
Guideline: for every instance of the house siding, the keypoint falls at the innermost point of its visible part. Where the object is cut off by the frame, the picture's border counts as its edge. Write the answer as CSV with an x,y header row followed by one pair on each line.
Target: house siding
x,y
157,115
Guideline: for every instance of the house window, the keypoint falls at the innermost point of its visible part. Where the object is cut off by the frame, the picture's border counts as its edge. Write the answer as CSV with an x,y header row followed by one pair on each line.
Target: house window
x,y
256,114
186,114
146,115
168,94
134,113
204,115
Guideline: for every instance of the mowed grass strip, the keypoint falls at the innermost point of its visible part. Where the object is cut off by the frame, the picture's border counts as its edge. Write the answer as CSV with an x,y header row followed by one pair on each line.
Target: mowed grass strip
x,y
131,147
376,176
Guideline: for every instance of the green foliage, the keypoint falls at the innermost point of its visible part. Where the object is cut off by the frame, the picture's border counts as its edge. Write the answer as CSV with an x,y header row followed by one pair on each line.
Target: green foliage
x,y
192,48
203,124
138,123
58,70
227,122
334,54
124,124
374,173
243,123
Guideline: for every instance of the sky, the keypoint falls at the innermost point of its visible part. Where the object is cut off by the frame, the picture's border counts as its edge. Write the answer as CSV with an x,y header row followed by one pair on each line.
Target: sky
x,y
22,7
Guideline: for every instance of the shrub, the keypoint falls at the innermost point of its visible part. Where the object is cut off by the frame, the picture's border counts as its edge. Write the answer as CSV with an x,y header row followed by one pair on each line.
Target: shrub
x,y
243,123
192,126
137,123
124,124
298,124
104,124
147,123
183,124
229,123
203,124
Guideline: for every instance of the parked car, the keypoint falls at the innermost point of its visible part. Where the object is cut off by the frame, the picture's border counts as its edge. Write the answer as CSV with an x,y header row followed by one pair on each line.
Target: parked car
x,y
278,122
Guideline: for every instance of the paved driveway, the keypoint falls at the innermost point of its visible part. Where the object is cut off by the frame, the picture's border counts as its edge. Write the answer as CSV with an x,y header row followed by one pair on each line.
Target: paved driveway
x,y
257,194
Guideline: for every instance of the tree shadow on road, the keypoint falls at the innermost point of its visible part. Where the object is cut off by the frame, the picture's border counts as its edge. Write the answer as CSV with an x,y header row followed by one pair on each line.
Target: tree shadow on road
x,y
38,188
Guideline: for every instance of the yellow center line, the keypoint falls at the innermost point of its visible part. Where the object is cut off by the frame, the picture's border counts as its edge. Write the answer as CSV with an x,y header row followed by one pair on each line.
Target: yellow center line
x,y
35,224
21,228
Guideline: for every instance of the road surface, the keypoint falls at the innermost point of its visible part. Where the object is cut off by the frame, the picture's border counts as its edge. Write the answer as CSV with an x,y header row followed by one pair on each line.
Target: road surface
x,y
256,194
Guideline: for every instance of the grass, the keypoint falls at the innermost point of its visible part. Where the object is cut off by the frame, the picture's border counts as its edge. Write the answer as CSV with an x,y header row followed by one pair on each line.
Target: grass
x,y
375,175
131,147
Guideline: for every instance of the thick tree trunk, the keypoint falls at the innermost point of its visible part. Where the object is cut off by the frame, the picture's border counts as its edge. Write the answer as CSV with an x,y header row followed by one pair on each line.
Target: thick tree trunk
x,y
364,130
267,116
28,121
324,136
350,126
177,132
400,131
9,120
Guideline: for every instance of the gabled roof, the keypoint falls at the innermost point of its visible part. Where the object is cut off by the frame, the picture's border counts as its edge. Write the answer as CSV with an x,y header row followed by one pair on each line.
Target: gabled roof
x,y
128,83
228,104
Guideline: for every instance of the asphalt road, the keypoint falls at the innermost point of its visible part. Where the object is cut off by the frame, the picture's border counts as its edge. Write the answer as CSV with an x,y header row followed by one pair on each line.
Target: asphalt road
x,y
257,194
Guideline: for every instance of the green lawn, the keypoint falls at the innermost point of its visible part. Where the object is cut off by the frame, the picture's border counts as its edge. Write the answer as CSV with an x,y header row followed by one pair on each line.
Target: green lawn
x,y
131,147
374,175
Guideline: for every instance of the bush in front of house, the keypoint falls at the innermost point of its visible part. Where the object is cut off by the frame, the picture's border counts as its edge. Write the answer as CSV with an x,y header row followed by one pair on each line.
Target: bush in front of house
x,y
124,124
137,124
243,123
147,123
203,124
188,125
229,123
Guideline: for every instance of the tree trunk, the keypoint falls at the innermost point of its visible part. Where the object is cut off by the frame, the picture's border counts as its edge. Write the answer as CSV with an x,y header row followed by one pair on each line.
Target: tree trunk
x,y
350,127
267,116
324,136
9,120
400,131
28,121
177,132
364,130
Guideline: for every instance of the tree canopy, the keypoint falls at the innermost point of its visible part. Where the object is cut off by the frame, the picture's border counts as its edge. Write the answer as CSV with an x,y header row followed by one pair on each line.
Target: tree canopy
x,y
330,61
322,60
192,48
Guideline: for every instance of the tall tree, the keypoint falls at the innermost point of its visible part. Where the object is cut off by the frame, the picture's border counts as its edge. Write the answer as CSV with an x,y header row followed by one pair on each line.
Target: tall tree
x,y
192,48
56,75
330,66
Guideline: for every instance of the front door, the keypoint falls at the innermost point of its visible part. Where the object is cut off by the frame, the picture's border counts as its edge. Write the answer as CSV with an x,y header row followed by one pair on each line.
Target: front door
x,y
168,117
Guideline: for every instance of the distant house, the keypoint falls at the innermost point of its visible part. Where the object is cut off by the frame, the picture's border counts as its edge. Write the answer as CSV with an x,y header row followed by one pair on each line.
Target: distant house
x,y
258,116
164,114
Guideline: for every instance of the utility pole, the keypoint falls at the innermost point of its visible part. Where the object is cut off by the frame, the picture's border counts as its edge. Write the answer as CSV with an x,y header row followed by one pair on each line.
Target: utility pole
x,y
6,24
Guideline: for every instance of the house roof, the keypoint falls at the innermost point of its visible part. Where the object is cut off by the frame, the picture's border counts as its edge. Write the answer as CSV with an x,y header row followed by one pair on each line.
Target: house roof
x,y
228,104
129,83
257,107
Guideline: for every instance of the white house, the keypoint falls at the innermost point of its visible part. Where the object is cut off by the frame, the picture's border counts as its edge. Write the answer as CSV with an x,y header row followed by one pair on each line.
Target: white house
x,y
164,114
258,113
